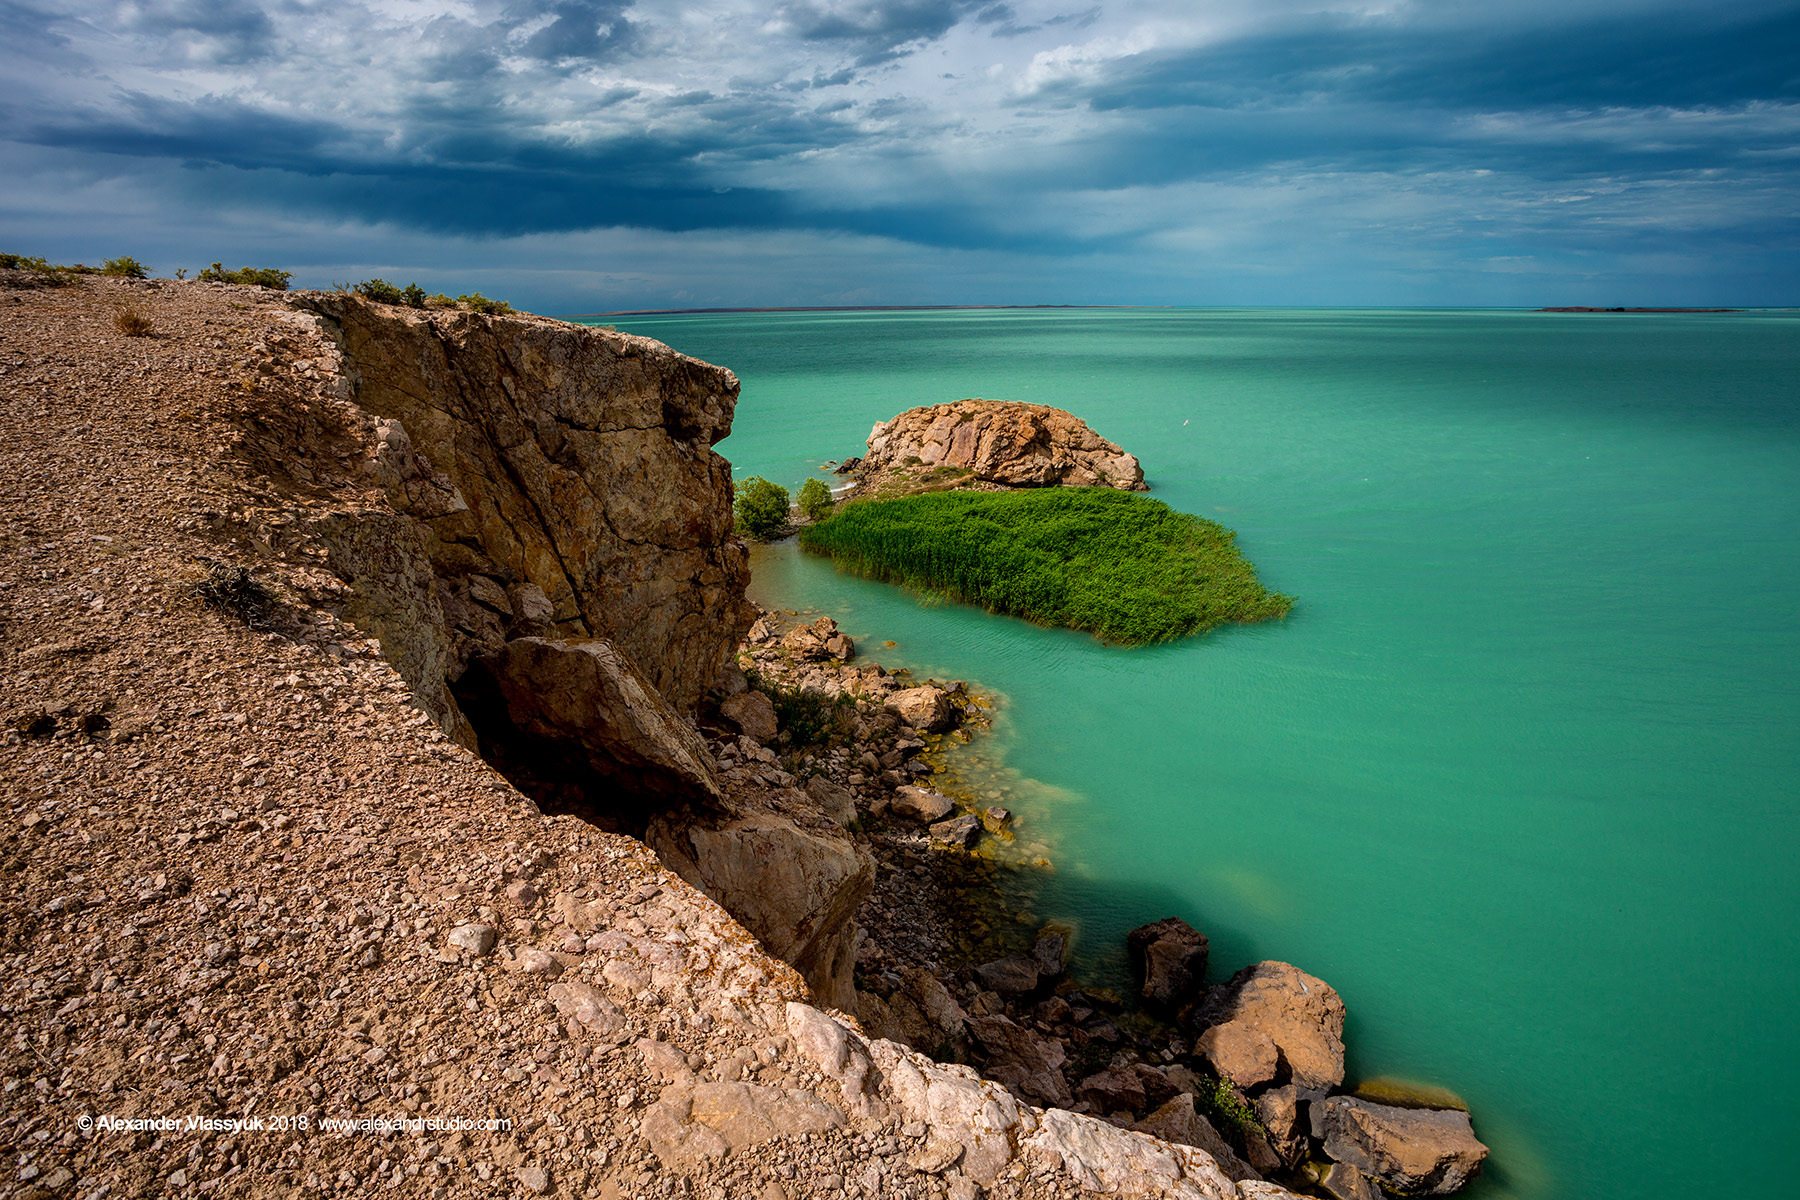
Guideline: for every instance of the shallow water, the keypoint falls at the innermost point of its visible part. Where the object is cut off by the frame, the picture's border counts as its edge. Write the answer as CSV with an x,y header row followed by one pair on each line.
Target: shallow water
x,y
1517,775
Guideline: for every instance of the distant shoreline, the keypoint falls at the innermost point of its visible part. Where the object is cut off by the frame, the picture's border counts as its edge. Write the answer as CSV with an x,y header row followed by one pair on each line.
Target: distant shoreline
x,y
677,312
1583,309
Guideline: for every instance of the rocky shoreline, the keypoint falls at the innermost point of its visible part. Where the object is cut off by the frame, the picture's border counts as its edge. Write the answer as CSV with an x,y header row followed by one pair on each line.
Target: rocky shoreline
x,y
1250,1069
359,668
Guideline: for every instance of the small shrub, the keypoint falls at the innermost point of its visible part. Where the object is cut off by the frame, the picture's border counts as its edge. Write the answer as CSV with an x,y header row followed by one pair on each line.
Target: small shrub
x,y
1227,1113
267,277
131,322
761,508
815,499
26,262
807,719
439,300
125,267
413,296
476,302
380,291
235,592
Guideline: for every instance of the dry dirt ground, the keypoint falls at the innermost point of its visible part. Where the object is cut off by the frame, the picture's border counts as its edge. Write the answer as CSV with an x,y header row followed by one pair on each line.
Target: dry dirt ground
x,y
234,858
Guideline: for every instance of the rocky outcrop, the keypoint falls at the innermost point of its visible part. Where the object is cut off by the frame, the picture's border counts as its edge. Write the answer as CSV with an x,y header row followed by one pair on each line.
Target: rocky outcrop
x,y
544,478
585,704
1415,1151
1002,442
796,888
1170,956
1302,1016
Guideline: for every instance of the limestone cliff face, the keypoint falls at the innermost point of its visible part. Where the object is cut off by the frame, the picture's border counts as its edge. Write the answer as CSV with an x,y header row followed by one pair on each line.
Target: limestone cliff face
x,y
559,480
547,558
1006,443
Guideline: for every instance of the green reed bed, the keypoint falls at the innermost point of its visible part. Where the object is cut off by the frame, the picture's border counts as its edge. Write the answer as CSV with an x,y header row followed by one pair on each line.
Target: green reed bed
x,y
1119,565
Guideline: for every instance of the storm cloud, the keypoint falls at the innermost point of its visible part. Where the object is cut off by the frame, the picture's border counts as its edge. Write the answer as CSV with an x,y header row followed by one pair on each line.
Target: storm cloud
x,y
1430,152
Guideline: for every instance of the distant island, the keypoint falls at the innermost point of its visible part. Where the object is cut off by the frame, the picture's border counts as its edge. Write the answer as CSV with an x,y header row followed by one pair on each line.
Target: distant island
x,y
1584,308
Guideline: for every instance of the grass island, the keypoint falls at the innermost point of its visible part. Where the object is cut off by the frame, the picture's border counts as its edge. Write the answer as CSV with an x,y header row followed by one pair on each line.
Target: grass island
x,y
1124,567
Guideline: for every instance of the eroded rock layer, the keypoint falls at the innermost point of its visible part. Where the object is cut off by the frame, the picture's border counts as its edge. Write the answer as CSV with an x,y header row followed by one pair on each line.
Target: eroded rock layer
x,y
559,480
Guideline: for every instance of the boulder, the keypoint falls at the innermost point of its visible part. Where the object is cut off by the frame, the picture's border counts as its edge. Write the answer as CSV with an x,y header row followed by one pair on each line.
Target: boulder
x,y
753,713
1180,1122
1105,1159
920,1012
1301,1014
920,804
1425,1151
819,642
1004,442
796,889
689,1127
926,708
1279,1111
1170,956
585,705
1028,1064
1239,1053
834,800
1131,1088
1345,1182
961,831
1014,975
1051,953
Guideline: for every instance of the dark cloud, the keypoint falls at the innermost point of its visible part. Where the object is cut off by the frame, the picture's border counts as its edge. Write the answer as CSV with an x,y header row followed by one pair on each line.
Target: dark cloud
x,y
876,30
220,31
1688,58
589,30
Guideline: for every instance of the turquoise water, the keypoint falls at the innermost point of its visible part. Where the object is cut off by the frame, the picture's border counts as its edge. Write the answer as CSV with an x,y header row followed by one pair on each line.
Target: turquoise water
x,y
1517,776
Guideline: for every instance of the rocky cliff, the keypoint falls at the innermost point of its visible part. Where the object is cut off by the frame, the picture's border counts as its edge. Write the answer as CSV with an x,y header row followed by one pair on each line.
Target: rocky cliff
x,y
1003,443
255,870
556,480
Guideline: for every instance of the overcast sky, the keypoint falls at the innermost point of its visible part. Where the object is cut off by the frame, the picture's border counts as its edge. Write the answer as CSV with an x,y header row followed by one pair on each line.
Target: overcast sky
x,y
583,155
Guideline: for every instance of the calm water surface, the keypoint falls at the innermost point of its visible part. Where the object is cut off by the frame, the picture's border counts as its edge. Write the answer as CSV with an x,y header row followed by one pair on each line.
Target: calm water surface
x,y
1518,774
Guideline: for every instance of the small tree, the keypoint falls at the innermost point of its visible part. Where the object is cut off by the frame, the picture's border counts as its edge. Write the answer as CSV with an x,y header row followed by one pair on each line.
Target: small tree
x,y
815,499
762,508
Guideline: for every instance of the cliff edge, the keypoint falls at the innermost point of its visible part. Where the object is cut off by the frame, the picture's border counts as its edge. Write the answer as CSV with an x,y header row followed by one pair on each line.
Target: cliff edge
x,y
271,925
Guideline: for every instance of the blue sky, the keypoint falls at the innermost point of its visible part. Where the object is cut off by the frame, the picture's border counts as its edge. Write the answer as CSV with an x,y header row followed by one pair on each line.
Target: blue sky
x,y
584,155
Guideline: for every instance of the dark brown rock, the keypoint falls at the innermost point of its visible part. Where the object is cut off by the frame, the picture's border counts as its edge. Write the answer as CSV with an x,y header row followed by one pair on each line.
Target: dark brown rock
x,y
1279,1111
1023,1061
1412,1150
1014,975
753,713
587,702
1345,1182
961,831
1170,956
1179,1122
